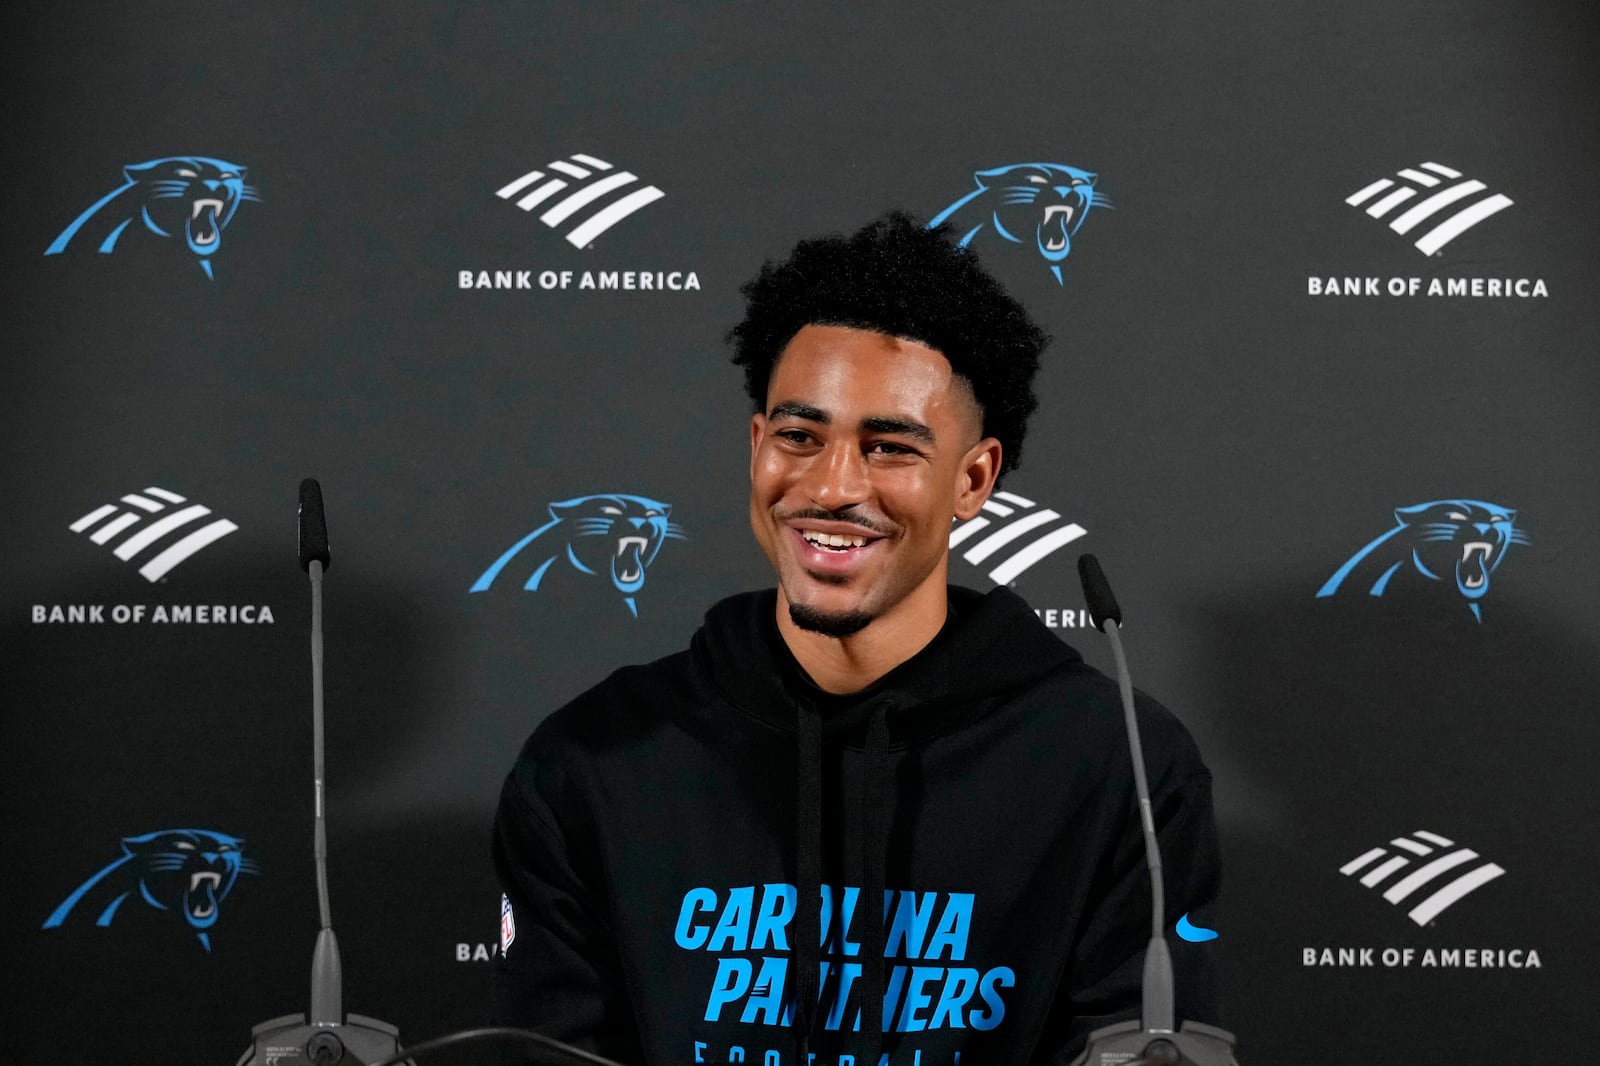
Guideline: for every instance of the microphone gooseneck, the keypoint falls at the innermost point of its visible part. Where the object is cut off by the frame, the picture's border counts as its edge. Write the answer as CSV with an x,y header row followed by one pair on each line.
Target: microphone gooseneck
x,y
327,1035
327,1007
319,754
1152,1041
1107,617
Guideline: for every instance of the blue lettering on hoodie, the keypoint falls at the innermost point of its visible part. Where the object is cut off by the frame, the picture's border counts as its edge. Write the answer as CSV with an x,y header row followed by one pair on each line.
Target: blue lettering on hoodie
x,y
746,928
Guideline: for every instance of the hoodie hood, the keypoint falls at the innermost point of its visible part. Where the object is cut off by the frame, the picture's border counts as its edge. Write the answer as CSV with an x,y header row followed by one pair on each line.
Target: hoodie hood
x,y
992,644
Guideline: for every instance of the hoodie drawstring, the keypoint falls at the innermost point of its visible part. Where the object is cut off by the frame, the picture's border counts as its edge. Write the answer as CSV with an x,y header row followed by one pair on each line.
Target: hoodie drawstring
x,y
807,953
874,862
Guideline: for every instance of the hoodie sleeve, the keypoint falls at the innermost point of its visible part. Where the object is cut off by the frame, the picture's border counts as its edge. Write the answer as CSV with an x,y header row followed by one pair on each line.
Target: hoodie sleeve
x,y
559,971
1102,983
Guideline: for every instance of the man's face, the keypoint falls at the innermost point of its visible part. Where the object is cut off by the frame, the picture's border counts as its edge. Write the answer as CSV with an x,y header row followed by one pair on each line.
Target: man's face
x,y
869,446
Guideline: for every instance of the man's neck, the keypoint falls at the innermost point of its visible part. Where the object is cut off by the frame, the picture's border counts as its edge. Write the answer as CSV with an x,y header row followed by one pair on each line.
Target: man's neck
x,y
850,664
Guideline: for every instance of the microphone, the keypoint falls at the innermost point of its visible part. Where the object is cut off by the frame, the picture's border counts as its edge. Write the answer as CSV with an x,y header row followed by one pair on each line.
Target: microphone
x,y
1152,1040
313,526
1097,594
329,1036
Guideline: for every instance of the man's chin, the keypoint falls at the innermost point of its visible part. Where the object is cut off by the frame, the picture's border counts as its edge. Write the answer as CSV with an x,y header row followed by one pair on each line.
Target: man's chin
x,y
828,623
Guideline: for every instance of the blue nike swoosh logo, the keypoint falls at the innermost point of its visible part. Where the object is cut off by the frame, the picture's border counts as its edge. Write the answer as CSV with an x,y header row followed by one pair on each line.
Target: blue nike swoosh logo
x,y
1194,934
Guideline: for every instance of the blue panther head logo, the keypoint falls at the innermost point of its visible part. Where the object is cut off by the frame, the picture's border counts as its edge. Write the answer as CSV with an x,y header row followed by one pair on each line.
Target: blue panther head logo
x,y
192,196
1458,543
612,533
1041,205
179,871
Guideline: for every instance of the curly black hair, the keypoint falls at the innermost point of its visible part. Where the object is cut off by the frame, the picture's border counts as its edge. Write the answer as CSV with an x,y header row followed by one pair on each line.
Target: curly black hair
x,y
898,277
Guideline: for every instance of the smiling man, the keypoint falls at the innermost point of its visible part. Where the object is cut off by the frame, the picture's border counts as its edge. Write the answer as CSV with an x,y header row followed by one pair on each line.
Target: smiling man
x,y
871,445
867,817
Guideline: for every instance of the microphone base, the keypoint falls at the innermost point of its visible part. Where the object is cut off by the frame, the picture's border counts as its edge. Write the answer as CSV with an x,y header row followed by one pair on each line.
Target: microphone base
x,y
289,1041
1194,1044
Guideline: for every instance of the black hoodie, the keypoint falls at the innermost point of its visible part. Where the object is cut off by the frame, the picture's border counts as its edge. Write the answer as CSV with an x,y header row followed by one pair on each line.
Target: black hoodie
x,y
666,838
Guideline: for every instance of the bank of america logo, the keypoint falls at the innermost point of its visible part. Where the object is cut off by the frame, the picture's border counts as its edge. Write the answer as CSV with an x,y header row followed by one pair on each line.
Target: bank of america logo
x,y
159,531
1448,208
595,198
1014,536
1424,865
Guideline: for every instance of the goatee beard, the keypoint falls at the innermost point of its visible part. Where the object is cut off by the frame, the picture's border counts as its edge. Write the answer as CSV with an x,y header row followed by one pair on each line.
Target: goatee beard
x,y
829,625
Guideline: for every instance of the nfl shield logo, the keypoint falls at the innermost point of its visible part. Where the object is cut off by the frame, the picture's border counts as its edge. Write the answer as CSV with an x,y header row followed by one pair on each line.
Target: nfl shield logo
x,y
508,923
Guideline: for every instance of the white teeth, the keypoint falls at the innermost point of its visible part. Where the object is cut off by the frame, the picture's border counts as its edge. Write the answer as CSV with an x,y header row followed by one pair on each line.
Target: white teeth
x,y
623,544
1477,580
1055,242
210,236
205,909
833,540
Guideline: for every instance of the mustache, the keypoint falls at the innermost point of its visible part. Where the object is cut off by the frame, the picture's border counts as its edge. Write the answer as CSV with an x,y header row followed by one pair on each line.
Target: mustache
x,y
852,514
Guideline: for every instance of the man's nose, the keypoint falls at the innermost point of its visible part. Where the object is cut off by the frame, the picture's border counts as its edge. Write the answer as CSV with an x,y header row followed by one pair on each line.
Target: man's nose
x,y
839,478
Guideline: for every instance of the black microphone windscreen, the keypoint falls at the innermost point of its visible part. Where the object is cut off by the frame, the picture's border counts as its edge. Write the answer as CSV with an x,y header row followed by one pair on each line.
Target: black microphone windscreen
x,y
1097,593
313,526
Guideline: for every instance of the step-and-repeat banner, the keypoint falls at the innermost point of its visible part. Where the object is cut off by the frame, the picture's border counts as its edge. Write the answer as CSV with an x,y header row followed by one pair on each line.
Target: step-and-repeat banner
x,y
1322,281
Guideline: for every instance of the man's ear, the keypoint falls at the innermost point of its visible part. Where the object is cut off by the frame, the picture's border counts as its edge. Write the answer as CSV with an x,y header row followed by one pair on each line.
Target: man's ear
x,y
758,429
980,469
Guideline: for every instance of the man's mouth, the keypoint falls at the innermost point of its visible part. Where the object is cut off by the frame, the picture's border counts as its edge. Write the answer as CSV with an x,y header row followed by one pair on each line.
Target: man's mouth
x,y
833,556
1055,237
832,542
628,565
1473,568
202,894
203,228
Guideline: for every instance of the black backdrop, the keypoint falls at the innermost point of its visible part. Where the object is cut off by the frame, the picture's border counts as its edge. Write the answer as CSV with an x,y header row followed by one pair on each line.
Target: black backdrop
x,y
1225,433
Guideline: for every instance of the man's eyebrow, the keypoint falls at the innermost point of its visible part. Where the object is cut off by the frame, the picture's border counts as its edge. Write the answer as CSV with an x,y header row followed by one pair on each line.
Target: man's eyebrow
x,y
795,409
899,426
903,427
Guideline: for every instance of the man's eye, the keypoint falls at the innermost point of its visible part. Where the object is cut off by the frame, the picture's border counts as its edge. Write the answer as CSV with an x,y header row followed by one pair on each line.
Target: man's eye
x,y
794,436
885,447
